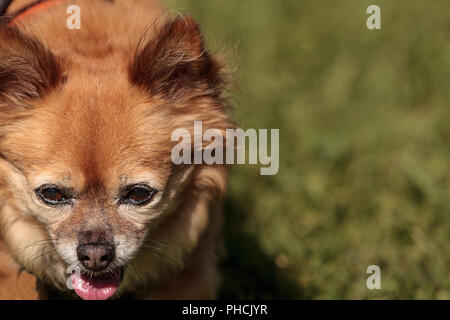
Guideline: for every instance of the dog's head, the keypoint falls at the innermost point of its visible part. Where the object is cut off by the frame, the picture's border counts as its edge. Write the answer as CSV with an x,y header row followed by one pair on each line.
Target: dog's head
x,y
85,152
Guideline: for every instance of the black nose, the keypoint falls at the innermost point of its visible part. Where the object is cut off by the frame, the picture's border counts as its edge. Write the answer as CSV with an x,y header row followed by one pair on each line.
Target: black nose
x,y
95,257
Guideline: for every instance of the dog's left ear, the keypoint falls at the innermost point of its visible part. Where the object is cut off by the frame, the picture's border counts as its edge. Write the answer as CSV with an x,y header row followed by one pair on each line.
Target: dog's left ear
x,y
28,70
174,62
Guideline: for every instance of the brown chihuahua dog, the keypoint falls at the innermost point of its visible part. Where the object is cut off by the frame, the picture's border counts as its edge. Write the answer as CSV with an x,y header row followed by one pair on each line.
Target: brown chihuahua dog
x,y
90,199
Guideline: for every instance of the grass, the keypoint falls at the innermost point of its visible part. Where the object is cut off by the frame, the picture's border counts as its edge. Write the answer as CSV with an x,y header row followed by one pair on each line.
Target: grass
x,y
364,147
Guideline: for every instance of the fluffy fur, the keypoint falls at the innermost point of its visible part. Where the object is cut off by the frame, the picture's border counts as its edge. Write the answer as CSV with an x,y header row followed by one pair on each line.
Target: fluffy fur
x,y
93,110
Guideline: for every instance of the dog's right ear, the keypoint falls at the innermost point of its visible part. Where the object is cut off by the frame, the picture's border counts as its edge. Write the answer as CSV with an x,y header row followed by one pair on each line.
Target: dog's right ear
x,y
28,70
175,63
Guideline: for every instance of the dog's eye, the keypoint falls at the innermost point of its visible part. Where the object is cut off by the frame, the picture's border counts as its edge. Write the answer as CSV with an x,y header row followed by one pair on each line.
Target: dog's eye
x,y
51,194
138,195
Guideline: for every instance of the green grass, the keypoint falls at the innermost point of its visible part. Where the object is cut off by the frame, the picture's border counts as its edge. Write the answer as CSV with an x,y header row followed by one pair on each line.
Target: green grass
x,y
364,119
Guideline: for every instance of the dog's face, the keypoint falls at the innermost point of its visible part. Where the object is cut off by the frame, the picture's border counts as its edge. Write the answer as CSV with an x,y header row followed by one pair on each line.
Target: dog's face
x,y
87,155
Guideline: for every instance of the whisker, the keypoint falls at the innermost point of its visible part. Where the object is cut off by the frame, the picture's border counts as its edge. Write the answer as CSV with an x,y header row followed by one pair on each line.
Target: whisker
x,y
39,242
39,256
132,266
167,243
160,254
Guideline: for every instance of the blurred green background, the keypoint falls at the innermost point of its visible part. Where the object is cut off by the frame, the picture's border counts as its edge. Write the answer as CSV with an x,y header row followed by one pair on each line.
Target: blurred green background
x,y
364,147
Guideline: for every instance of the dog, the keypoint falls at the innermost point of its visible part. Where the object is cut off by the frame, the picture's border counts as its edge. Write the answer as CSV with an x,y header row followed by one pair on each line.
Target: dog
x,y
91,203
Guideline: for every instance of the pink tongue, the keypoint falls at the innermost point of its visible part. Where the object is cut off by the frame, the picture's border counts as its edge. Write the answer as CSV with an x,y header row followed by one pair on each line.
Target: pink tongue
x,y
95,287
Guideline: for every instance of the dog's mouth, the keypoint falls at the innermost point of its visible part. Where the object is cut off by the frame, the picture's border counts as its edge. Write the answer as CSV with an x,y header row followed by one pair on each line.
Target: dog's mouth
x,y
97,287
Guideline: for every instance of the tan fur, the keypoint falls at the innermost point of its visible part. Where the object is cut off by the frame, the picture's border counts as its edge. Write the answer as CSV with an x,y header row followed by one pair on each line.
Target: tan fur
x,y
94,109
15,285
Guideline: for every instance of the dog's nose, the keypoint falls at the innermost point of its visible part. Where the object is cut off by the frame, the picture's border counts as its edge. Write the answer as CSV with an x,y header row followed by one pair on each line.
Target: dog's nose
x,y
95,257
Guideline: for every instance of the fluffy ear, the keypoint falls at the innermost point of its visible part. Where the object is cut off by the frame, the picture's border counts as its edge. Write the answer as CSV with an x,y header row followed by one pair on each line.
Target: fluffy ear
x,y
28,69
174,62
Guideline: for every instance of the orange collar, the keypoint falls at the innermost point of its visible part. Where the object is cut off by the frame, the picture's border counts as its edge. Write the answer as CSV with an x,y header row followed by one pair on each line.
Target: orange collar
x,y
33,9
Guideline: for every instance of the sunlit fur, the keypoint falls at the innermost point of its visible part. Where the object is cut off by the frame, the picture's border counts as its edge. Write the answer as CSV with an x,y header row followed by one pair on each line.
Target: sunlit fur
x,y
93,110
